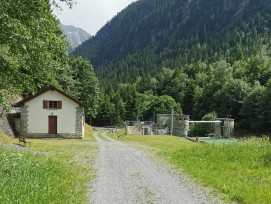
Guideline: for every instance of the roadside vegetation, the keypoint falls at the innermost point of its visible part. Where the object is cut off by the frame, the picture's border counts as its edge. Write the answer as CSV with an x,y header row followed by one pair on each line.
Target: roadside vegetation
x,y
50,171
5,139
240,170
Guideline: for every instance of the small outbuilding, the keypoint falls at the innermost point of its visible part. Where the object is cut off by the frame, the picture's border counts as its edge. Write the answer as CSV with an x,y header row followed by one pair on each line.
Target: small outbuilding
x,y
51,113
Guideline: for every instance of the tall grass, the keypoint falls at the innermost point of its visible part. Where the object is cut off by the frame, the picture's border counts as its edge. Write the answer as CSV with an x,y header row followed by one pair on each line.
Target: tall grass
x,y
240,170
5,139
27,178
51,171
88,133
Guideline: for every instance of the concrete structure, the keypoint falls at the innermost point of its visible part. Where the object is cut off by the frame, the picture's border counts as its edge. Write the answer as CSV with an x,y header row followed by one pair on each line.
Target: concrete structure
x,y
51,113
146,128
132,127
217,130
138,127
223,127
179,124
174,124
167,124
227,127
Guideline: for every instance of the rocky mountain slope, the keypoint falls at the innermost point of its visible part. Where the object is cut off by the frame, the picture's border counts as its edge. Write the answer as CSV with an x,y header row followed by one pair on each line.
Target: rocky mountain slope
x,y
75,36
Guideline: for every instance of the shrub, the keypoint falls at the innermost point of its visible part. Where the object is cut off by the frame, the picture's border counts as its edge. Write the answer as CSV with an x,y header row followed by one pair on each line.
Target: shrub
x,y
199,129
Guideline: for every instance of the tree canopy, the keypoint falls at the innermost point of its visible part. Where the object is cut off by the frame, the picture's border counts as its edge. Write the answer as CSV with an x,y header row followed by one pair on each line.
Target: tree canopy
x,y
33,54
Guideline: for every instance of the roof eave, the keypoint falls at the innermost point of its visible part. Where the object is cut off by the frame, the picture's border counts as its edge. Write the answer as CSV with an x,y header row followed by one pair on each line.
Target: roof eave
x,y
22,102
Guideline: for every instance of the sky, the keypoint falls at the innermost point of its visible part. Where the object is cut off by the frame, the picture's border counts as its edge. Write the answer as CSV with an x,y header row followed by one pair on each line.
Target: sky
x,y
90,15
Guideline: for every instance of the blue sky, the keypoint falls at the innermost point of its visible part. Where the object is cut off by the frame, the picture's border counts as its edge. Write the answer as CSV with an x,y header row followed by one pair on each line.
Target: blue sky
x,y
90,15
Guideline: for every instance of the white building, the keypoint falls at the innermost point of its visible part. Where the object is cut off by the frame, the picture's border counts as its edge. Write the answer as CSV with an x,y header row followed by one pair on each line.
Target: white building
x,y
51,113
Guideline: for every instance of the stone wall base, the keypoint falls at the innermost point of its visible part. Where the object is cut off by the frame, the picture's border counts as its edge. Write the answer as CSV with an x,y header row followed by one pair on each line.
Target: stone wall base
x,y
42,135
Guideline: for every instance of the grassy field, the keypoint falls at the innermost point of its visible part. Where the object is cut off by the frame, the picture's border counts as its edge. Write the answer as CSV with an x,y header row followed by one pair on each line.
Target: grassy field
x,y
241,171
51,171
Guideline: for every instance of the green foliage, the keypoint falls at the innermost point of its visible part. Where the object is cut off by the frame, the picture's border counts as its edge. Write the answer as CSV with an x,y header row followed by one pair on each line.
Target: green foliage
x,y
107,112
265,112
32,37
130,98
251,108
29,57
48,171
86,86
26,178
150,34
229,99
205,55
33,55
239,170
198,129
149,104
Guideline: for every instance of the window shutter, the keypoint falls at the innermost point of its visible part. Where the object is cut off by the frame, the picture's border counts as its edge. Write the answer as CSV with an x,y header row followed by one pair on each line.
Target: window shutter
x,y
45,104
59,105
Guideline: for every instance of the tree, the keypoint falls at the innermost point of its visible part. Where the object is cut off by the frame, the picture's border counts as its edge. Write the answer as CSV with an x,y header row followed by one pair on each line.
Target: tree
x,y
189,99
164,104
145,103
106,112
32,47
33,54
120,111
251,108
228,101
131,102
86,87
265,109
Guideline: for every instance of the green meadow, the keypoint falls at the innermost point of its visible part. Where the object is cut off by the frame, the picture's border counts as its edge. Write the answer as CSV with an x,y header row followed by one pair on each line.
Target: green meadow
x,y
50,171
240,171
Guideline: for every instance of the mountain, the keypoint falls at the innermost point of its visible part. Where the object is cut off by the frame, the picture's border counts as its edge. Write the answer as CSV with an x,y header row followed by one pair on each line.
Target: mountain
x,y
202,58
75,36
151,34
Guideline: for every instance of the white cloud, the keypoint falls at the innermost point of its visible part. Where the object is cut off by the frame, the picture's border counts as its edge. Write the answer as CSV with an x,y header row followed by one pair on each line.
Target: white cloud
x,y
91,15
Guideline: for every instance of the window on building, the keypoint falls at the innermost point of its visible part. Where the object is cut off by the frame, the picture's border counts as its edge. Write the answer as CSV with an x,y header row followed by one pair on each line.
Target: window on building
x,y
52,104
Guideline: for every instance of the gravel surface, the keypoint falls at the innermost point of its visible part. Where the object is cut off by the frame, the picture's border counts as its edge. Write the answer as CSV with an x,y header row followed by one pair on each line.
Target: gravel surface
x,y
14,147
128,175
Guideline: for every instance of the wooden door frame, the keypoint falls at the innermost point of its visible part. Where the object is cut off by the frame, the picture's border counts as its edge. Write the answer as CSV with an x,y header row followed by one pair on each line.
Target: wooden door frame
x,y
52,116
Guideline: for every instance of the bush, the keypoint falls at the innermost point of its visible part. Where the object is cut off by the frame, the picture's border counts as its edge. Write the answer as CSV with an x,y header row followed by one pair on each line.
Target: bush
x,y
199,129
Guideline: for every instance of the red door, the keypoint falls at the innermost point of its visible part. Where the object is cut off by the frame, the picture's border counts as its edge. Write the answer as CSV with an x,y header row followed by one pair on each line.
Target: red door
x,y
52,124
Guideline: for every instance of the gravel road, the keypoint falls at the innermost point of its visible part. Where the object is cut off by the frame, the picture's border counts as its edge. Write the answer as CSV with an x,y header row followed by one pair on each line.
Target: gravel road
x,y
129,175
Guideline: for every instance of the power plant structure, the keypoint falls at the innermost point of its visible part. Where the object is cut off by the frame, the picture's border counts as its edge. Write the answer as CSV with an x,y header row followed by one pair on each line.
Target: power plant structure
x,y
178,125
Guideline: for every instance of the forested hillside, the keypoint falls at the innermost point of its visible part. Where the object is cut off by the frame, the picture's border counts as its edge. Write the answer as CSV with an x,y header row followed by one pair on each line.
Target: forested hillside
x,y
198,56
151,34
33,55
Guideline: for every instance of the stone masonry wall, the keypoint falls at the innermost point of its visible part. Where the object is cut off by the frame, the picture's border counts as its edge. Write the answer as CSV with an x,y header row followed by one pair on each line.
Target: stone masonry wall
x,y
78,122
24,120
44,135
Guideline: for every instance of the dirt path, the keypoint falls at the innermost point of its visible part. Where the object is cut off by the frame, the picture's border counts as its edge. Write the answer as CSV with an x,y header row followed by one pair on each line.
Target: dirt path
x,y
128,175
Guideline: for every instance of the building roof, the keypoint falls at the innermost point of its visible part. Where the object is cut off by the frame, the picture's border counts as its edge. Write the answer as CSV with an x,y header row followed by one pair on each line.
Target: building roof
x,y
52,88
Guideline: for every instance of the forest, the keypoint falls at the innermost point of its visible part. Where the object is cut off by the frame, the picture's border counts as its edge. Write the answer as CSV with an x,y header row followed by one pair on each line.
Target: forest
x,y
33,55
198,57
